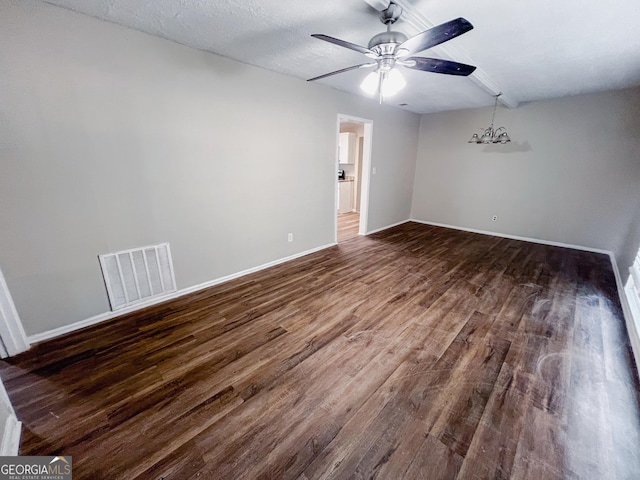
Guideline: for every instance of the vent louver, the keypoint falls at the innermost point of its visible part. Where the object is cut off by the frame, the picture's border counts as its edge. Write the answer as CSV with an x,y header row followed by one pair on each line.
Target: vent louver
x,y
136,275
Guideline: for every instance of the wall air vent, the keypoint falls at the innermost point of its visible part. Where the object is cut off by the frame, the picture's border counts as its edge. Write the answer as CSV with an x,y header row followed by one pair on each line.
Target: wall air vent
x,y
137,275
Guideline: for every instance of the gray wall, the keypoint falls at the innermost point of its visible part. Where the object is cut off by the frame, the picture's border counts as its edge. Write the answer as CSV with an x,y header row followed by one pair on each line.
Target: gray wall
x,y
113,139
570,175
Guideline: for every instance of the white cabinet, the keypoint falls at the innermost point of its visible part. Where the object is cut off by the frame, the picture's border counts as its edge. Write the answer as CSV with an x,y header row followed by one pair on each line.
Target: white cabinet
x,y
348,142
345,197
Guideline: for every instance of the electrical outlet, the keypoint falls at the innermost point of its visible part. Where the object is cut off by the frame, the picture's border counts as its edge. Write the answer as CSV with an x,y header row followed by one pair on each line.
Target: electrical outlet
x,y
374,171
290,237
494,218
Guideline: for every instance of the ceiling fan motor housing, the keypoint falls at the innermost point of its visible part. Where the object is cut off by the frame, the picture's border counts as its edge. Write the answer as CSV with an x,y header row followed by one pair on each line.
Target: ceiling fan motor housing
x,y
385,43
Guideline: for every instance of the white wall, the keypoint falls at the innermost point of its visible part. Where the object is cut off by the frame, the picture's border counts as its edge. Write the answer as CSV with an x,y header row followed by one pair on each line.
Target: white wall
x,y
570,175
113,139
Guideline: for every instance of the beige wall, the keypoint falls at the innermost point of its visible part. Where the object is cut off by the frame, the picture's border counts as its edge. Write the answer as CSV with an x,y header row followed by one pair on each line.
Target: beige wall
x,y
570,175
112,139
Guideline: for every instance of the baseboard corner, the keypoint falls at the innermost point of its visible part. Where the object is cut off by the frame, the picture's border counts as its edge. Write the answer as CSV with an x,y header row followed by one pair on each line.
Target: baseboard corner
x,y
387,227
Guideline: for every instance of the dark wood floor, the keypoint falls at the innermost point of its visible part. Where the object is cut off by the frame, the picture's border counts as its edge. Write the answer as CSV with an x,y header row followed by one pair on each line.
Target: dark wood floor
x,y
418,352
348,225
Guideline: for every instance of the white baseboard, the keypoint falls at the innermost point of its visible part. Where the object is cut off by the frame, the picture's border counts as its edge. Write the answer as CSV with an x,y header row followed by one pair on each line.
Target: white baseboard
x,y
515,237
387,227
56,332
627,309
87,322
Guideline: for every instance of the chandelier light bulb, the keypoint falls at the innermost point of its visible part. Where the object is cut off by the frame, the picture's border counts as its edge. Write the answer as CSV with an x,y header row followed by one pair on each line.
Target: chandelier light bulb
x,y
474,139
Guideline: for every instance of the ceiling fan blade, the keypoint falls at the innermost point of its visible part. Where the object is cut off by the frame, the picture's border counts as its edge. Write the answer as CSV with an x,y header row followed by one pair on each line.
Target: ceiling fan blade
x,y
345,44
439,66
434,36
362,65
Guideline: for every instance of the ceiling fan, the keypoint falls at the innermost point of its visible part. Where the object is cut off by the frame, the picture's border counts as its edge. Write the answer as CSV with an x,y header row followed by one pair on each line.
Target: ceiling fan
x,y
391,49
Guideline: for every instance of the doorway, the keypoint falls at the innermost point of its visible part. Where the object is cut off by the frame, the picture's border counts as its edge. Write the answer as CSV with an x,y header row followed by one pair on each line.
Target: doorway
x,y
353,161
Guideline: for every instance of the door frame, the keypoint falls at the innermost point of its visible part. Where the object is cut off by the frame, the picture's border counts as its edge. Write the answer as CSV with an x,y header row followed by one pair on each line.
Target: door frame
x,y
10,436
366,172
13,339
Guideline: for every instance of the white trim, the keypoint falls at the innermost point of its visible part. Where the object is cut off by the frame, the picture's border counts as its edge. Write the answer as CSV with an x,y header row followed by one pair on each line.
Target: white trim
x,y
10,445
387,227
10,441
515,237
627,311
365,183
56,332
629,308
12,332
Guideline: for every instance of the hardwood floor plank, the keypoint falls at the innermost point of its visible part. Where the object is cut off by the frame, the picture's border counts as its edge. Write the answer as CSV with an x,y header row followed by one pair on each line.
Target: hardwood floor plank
x,y
414,397
431,460
357,431
154,441
348,225
178,465
416,352
345,358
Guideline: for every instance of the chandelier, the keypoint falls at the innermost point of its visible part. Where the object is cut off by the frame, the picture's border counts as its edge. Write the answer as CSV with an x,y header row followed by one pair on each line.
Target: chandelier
x,y
492,135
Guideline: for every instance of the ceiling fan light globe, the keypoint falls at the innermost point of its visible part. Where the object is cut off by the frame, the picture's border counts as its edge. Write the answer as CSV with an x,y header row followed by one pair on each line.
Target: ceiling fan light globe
x,y
370,83
392,83
474,138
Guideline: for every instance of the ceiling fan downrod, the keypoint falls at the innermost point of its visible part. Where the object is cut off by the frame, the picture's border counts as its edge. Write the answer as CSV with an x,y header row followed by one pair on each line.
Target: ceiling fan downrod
x,y
391,14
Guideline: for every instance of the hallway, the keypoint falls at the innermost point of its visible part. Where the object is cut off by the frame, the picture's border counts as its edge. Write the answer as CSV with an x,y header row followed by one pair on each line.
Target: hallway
x,y
348,224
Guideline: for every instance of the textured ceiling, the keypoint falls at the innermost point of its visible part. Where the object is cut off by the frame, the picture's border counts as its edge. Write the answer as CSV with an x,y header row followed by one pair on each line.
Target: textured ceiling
x,y
527,50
